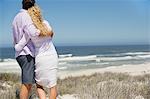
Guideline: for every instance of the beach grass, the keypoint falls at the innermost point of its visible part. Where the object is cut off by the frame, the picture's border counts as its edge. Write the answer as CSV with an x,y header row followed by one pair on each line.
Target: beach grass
x,y
96,86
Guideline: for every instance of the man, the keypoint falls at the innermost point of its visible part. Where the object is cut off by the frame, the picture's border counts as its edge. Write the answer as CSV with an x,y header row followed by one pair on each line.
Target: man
x,y
25,57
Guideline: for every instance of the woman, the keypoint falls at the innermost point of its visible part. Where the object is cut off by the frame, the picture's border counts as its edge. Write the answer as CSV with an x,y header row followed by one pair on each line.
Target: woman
x,y
46,58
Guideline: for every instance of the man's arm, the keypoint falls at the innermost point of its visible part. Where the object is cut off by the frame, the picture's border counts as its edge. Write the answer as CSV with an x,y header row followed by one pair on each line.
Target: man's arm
x,y
29,32
22,43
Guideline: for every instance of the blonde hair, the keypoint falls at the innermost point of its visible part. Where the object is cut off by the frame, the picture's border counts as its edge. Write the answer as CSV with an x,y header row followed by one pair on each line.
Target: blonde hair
x,y
36,16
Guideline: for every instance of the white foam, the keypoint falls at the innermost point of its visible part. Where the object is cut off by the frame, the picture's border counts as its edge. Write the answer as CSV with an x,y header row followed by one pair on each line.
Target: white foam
x,y
79,58
137,53
115,58
62,63
7,60
62,68
143,56
126,54
140,55
65,55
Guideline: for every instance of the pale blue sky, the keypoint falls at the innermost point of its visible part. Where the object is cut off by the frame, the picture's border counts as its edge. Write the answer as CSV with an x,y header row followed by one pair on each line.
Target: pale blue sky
x,y
86,22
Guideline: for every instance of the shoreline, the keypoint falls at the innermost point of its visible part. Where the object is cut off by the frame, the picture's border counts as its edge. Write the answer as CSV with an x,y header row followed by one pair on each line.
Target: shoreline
x,y
132,69
139,69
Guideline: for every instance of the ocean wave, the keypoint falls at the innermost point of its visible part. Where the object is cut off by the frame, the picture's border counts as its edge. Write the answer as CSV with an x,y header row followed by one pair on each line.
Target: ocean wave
x,y
124,54
136,53
114,58
62,63
122,58
62,68
65,55
63,59
119,57
143,56
79,58
7,60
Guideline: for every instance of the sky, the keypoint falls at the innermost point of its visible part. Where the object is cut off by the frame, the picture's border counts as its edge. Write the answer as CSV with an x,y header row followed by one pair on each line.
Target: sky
x,y
86,22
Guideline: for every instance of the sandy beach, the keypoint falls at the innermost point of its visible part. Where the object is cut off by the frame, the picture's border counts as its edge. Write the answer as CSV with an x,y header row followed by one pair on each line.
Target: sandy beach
x,y
138,69
134,70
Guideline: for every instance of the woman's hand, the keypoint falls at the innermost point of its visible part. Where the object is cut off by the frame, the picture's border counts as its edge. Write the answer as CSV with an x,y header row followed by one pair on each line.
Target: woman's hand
x,y
51,33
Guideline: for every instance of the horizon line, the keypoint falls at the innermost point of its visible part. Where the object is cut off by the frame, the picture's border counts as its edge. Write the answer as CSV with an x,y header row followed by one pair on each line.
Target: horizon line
x,y
90,45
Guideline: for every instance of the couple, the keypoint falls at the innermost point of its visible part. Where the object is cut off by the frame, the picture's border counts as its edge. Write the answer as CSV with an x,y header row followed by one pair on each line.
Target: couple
x,y
33,38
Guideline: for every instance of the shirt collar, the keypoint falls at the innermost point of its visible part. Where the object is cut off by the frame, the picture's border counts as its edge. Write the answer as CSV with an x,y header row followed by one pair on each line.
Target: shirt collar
x,y
23,10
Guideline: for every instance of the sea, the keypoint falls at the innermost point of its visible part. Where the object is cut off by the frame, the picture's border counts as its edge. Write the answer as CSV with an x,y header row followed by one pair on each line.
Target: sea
x,y
73,58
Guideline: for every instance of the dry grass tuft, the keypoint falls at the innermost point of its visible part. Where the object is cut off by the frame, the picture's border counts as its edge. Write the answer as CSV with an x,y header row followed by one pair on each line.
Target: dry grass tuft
x,y
97,86
107,86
